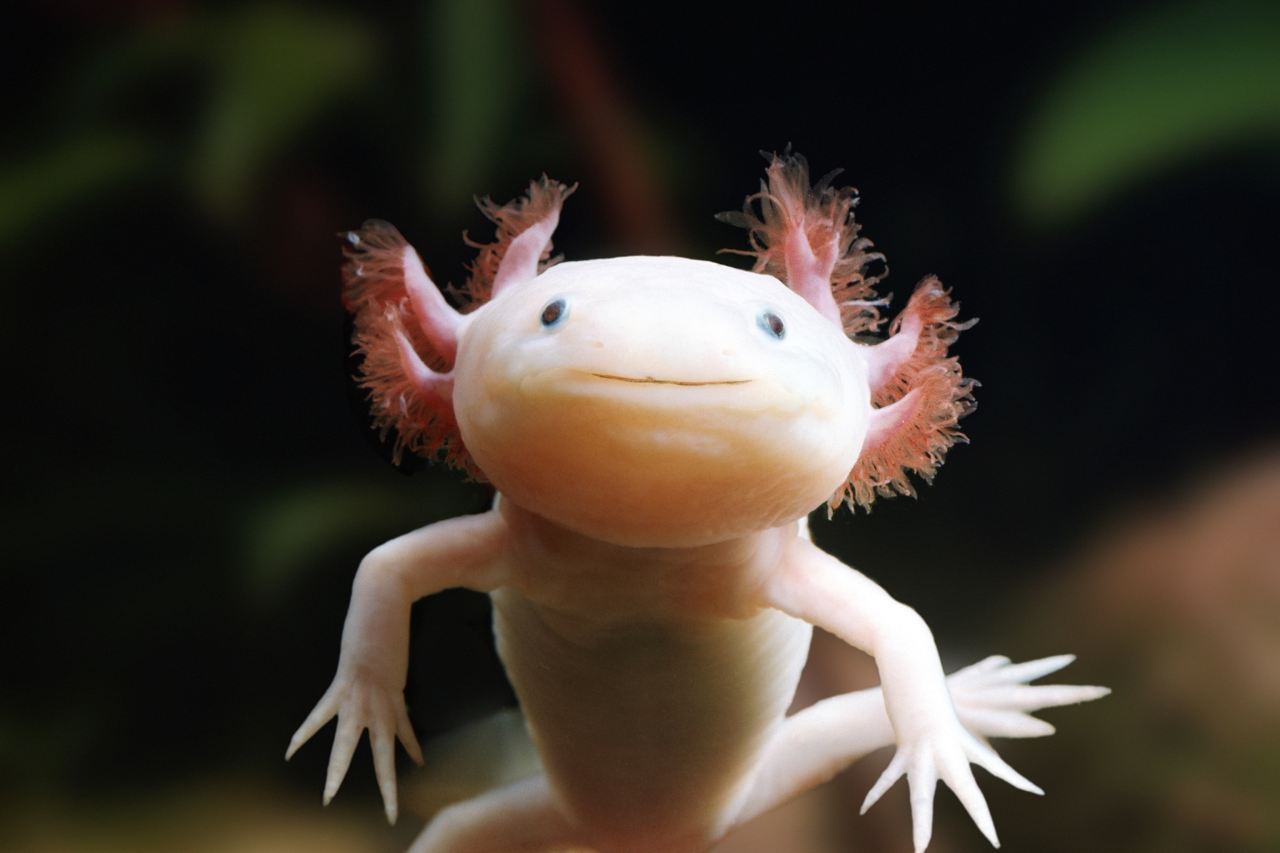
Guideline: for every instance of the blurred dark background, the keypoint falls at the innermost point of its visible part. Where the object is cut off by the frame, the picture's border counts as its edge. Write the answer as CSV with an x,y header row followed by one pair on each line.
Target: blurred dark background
x,y
190,482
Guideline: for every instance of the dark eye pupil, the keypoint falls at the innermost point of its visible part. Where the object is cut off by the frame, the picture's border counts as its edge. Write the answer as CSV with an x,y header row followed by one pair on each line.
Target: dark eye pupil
x,y
553,312
773,324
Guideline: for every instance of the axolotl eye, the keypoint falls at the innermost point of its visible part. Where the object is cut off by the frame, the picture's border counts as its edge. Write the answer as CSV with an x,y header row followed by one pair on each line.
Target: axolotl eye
x,y
554,313
772,324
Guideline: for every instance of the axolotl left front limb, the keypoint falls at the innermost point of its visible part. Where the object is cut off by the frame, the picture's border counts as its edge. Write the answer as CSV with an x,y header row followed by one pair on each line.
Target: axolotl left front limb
x,y
368,690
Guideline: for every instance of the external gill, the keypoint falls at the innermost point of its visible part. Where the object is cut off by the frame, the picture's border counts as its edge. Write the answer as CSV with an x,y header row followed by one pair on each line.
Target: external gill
x,y
407,332
807,237
919,394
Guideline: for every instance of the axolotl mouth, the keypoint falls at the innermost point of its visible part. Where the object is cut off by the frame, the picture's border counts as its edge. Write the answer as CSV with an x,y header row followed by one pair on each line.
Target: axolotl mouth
x,y
651,381
742,395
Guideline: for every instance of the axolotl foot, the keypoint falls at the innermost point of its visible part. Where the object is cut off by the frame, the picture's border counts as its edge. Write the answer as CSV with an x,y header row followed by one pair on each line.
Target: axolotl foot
x,y
360,702
992,698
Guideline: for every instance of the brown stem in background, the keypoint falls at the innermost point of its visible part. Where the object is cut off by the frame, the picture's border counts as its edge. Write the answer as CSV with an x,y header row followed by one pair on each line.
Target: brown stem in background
x,y
605,126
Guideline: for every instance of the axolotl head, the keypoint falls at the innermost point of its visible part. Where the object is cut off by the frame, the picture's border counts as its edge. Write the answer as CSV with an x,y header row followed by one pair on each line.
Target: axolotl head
x,y
651,401
661,401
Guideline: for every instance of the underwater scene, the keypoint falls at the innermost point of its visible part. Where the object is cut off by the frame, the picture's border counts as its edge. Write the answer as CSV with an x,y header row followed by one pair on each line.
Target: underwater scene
x,y
197,459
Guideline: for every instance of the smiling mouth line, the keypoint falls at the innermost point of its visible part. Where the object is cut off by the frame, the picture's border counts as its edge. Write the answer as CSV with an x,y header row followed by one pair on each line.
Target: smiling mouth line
x,y
651,381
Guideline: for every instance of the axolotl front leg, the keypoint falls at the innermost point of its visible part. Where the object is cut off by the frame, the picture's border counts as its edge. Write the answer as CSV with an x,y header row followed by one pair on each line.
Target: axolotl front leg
x,y
932,742
368,690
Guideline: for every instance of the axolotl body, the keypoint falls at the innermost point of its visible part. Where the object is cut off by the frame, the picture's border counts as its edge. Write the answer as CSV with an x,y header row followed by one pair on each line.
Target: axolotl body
x,y
658,430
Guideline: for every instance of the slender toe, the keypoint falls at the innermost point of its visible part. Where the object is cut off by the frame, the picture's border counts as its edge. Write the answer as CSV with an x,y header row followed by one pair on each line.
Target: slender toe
x,y
897,767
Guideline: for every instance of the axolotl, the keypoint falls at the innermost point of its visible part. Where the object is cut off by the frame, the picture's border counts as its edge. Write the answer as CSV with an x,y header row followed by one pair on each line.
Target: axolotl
x,y
657,430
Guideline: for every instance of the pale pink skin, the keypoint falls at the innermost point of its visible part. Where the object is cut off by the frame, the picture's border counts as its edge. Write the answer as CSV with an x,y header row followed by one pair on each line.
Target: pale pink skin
x,y
654,588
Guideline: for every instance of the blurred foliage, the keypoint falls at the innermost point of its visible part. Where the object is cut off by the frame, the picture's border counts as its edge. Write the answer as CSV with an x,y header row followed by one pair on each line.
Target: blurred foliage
x,y
193,494
269,72
262,76
1175,82
286,533
33,190
1178,608
227,816
478,66
276,70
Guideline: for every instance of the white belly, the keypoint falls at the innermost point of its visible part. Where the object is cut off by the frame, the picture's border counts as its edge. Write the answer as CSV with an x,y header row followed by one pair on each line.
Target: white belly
x,y
647,729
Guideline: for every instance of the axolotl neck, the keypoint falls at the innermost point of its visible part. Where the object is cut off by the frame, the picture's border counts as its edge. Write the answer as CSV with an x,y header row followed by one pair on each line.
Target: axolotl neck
x,y
659,401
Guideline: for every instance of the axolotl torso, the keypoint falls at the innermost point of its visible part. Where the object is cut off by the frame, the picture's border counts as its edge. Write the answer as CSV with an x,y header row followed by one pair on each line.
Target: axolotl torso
x,y
658,430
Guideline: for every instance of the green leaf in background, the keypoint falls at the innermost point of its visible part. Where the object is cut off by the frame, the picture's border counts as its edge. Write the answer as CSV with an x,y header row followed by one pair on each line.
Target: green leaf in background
x,y
302,524
1174,83
475,76
277,69
113,73
72,172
